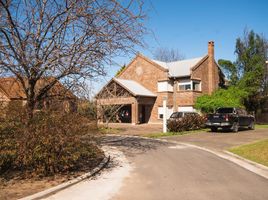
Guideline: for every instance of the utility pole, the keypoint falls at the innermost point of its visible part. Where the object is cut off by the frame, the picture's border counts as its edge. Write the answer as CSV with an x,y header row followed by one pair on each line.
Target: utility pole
x,y
164,115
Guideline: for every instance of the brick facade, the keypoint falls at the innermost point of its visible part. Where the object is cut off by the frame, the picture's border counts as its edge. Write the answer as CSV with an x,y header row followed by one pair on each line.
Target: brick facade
x,y
148,73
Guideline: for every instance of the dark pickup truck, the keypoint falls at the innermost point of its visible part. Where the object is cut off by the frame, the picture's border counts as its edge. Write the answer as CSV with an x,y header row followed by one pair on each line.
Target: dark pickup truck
x,y
230,119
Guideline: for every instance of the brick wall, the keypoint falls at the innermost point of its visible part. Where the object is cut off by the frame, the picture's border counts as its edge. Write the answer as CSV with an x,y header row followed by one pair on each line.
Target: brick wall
x,y
147,74
187,98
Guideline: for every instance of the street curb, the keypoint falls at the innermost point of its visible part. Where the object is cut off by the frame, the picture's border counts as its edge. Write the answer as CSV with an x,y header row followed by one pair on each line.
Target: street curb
x,y
244,159
54,190
249,165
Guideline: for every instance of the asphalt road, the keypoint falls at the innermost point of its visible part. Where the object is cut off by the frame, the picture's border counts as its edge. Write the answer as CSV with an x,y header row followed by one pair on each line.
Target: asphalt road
x,y
155,170
168,171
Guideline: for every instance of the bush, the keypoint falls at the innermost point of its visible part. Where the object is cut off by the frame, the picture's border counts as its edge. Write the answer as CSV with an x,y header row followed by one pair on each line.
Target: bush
x,y
88,109
231,97
50,143
188,122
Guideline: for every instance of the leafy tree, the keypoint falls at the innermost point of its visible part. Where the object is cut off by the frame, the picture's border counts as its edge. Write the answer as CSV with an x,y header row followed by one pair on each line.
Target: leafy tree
x,y
120,70
231,97
248,71
230,71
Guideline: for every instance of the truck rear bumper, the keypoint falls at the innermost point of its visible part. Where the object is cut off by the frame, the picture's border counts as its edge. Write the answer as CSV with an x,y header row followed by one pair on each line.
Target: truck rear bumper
x,y
220,124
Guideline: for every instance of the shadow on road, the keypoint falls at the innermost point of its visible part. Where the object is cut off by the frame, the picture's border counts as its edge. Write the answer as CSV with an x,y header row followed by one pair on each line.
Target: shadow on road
x,y
132,146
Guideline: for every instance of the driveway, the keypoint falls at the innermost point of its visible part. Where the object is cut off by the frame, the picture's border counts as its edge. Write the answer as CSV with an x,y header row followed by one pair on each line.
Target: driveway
x,y
215,141
222,140
162,170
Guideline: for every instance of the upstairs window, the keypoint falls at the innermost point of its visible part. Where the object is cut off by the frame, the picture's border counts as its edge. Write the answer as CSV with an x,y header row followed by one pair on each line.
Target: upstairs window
x,y
189,85
164,86
185,85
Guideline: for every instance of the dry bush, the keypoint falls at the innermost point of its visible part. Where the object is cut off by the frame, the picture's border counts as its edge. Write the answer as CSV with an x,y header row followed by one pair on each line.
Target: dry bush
x,y
88,109
188,122
52,142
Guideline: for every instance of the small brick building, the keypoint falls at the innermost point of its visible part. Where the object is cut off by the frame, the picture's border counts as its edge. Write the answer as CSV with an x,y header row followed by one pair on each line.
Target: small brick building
x,y
141,87
58,98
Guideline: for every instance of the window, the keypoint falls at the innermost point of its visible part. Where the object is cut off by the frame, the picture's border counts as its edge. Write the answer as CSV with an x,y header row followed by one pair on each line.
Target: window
x,y
164,86
177,115
196,86
189,85
185,84
225,110
185,87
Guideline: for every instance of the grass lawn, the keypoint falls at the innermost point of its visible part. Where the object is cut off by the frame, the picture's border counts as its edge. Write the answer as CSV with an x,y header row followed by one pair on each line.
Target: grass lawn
x,y
261,126
257,152
159,135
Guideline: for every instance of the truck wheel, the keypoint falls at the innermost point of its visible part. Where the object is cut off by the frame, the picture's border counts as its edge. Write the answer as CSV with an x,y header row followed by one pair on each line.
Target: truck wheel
x,y
214,129
235,127
251,126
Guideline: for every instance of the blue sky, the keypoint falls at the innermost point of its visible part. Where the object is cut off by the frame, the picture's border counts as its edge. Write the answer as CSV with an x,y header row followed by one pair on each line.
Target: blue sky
x,y
187,25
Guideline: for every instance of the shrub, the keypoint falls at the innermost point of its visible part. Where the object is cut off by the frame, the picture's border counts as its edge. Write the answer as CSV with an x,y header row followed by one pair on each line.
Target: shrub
x,y
88,109
188,122
52,142
231,97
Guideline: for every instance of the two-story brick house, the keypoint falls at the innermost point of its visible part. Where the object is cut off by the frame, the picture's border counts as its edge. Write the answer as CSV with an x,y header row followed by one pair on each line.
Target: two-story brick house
x,y
144,83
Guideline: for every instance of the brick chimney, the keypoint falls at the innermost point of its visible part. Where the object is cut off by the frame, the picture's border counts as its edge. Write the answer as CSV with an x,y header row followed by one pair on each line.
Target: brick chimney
x,y
211,68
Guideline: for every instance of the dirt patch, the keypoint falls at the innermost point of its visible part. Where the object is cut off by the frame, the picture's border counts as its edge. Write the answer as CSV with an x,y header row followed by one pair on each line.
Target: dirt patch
x,y
15,189
18,188
129,129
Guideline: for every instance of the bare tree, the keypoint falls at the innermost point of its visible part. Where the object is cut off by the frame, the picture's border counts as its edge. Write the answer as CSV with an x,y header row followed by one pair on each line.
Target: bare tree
x,y
167,55
70,40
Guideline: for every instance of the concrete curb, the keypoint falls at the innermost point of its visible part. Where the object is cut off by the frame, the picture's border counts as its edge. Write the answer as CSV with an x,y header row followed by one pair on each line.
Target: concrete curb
x,y
53,190
249,165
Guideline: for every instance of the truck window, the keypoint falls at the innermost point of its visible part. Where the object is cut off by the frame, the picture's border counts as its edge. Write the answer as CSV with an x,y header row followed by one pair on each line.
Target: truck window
x,y
176,115
225,110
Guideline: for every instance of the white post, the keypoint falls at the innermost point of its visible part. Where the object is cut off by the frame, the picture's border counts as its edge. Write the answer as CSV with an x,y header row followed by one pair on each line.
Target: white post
x,y
164,115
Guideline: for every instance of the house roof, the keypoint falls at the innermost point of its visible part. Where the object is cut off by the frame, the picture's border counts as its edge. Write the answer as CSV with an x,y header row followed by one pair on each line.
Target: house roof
x,y
135,88
13,89
181,67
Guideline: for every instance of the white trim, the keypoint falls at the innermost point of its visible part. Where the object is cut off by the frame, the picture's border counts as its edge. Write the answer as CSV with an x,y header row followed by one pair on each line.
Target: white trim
x,y
186,109
161,111
164,86
182,83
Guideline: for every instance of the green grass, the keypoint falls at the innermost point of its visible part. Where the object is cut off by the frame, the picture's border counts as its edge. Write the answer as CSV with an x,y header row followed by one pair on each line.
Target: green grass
x,y
261,126
168,134
257,152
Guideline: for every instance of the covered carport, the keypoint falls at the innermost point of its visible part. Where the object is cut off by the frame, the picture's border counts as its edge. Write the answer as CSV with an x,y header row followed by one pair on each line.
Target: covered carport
x,y
128,98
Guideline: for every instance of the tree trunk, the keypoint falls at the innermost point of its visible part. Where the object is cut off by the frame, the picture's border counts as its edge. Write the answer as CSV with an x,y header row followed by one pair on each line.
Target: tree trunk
x,y
31,100
30,108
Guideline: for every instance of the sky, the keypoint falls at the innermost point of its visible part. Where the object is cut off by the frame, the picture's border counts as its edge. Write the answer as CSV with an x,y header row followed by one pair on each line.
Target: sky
x,y
187,25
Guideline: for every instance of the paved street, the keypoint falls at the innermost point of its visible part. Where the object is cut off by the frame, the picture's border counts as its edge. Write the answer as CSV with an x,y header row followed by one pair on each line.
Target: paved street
x,y
158,170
